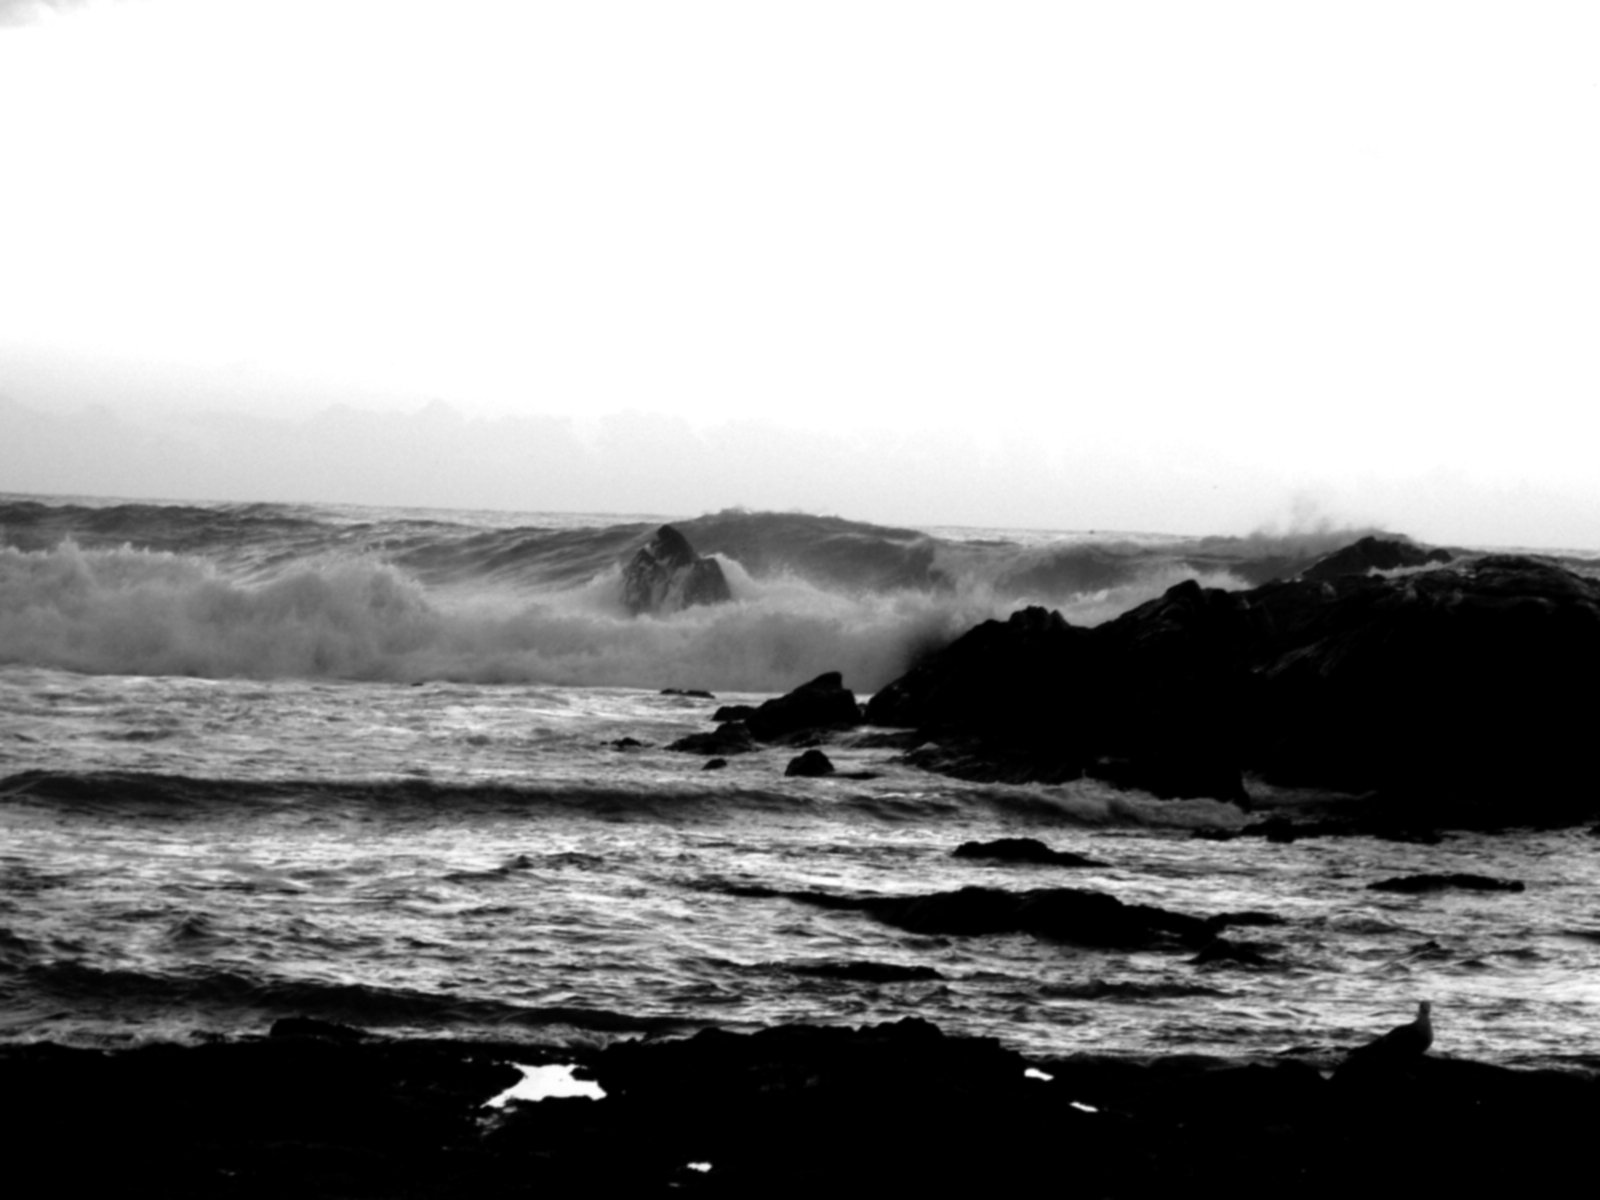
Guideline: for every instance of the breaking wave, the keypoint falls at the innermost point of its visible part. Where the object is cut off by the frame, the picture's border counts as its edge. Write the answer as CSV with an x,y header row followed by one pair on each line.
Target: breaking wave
x,y
268,591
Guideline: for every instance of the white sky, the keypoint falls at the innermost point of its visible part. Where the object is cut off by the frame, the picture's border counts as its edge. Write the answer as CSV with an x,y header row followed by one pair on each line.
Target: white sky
x,y
1146,265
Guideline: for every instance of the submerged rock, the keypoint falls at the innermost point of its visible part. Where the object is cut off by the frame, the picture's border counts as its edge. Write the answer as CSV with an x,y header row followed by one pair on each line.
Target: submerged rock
x,y
1439,883
666,575
1022,850
1071,915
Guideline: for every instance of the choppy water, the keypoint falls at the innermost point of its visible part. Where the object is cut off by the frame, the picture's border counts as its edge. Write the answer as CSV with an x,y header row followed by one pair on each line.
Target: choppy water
x,y
481,860
475,856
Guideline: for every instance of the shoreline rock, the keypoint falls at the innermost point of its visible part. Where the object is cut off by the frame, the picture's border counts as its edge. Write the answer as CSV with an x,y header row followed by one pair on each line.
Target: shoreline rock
x,y
787,1111
1459,695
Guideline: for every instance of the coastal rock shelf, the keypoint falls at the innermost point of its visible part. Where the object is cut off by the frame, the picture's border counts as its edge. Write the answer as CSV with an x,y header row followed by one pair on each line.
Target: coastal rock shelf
x,y
321,1111
1457,694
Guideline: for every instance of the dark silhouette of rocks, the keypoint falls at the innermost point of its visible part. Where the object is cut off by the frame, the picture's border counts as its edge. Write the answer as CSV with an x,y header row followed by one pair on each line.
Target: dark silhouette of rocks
x,y
1022,850
1457,695
1373,554
792,1111
666,575
1071,915
728,739
811,763
1464,881
822,704
714,764
689,693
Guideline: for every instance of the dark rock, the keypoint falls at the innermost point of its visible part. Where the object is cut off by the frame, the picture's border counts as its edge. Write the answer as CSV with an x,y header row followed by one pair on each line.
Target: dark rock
x,y
1074,916
811,763
796,1111
627,743
1022,850
1373,554
1016,682
691,693
714,764
666,575
823,703
1226,920
734,712
313,1027
1437,883
724,740
1458,695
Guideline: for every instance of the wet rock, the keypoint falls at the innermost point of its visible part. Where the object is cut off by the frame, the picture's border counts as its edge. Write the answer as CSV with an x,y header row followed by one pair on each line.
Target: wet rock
x,y
823,703
1013,682
1459,695
627,743
1022,850
1374,554
811,763
1074,916
727,739
1465,881
714,764
666,575
690,693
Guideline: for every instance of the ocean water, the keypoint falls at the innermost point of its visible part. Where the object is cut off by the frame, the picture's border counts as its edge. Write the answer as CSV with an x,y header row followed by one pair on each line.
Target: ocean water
x,y
369,765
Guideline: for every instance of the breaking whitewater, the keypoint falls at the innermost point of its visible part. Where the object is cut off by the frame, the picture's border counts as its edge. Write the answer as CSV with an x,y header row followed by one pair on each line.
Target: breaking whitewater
x,y
412,770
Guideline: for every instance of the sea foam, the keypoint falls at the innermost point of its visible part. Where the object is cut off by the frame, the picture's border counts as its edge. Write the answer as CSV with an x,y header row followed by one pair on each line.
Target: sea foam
x,y
352,616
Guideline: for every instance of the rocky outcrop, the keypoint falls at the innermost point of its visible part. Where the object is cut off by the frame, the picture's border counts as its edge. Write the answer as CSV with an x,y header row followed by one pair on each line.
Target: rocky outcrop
x,y
793,1110
810,764
733,738
1461,694
823,703
1373,554
666,575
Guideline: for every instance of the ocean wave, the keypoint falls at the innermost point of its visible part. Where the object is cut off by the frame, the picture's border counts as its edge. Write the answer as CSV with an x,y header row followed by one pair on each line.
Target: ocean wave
x,y
141,612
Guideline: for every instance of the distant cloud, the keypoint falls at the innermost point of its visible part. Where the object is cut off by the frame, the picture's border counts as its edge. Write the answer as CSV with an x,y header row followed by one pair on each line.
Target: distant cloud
x,y
25,12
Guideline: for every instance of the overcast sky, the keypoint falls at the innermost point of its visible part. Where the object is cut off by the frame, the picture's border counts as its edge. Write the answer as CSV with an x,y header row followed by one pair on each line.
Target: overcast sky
x,y
1182,266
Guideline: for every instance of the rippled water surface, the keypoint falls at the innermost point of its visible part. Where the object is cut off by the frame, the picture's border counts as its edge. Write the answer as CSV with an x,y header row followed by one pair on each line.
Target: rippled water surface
x,y
485,860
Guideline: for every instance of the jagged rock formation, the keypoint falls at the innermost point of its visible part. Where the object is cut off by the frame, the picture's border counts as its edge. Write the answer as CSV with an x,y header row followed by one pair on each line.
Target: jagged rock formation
x,y
1373,554
1462,694
666,575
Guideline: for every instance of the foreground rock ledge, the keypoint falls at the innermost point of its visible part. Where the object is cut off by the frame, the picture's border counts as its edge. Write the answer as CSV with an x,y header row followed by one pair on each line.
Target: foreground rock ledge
x,y
791,1111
